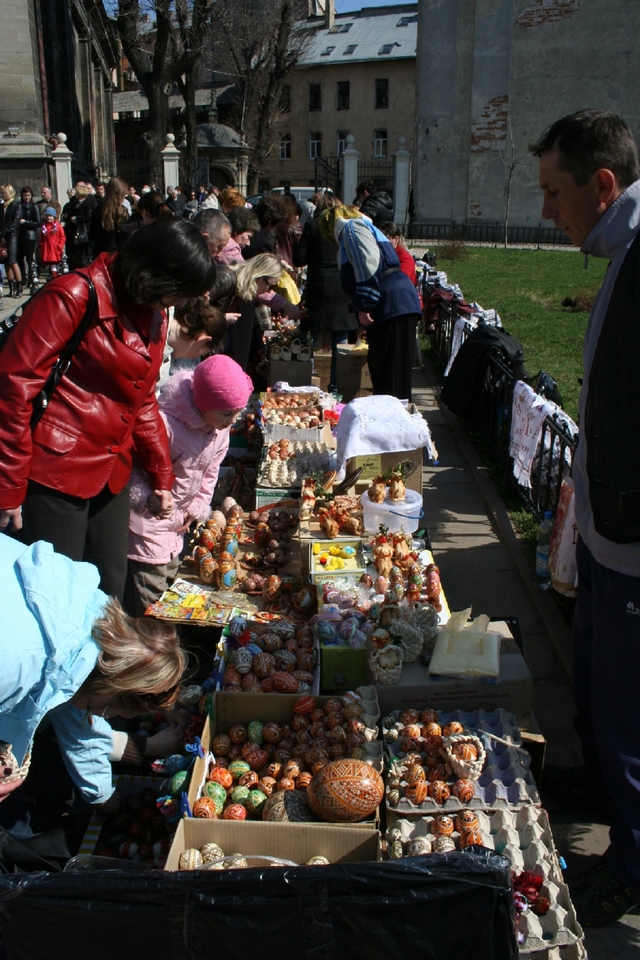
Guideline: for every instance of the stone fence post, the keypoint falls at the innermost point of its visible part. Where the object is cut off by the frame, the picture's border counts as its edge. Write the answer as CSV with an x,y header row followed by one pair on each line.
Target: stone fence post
x,y
349,170
62,169
401,184
171,163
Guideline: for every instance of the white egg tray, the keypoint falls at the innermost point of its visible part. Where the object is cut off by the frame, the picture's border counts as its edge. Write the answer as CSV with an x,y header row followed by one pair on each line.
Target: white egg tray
x,y
289,473
524,836
506,780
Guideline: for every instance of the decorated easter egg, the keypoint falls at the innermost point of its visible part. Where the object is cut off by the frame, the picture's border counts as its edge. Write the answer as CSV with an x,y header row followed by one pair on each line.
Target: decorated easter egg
x,y
205,808
175,763
303,600
238,767
345,791
216,793
464,790
443,845
419,847
248,779
237,625
221,776
428,715
442,826
177,782
326,631
267,785
439,791
451,728
239,795
284,682
416,792
317,861
238,733
210,852
254,732
235,811
466,821
288,806
190,859
255,802
470,838
348,629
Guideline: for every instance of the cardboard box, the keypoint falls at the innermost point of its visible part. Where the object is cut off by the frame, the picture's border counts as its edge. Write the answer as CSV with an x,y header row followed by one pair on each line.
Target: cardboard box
x,y
297,373
513,692
288,841
375,464
342,668
352,370
268,497
322,367
127,785
227,709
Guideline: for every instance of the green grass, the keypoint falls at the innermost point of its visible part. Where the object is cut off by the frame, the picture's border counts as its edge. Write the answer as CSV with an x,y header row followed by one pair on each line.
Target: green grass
x,y
527,288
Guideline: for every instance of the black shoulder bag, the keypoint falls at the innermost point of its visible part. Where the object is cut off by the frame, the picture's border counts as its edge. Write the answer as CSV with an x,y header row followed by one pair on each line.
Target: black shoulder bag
x,y
62,364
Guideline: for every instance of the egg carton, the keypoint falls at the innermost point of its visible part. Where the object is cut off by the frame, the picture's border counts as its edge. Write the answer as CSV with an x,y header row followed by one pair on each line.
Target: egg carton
x,y
308,457
506,780
524,836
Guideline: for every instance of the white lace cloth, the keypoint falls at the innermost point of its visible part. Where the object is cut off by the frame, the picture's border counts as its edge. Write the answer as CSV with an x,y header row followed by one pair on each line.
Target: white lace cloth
x,y
528,413
380,424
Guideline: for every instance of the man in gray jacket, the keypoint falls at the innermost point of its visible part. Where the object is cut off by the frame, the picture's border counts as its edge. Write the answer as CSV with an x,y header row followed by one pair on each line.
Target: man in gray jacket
x,y
589,177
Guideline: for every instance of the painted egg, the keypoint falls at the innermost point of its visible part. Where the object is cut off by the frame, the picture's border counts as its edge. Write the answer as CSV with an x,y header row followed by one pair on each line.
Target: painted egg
x,y
348,629
466,821
238,733
205,808
432,730
237,625
271,732
442,826
175,763
248,779
345,791
238,862
177,782
255,802
190,859
317,861
303,780
284,683
254,732
235,811
221,776
238,767
408,716
263,664
465,751
429,715
416,792
438,771
451,728
326,631
242,660
267,785
439,791
288,806
443,845
210,852
470,838
239,795
216,793
419,847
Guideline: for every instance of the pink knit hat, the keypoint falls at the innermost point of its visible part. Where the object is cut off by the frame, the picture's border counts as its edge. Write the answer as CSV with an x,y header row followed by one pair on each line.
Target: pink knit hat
x,y
219,383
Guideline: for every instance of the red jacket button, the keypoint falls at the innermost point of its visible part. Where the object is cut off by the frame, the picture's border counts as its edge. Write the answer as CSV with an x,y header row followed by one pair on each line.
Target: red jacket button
x,y
114,448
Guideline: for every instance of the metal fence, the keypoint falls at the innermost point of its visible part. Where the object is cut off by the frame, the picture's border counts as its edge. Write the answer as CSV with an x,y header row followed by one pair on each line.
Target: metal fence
x,y
490,233
556,447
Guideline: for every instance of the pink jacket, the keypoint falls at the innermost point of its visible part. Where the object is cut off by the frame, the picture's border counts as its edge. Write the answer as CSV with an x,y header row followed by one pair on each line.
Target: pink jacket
x,y
197,451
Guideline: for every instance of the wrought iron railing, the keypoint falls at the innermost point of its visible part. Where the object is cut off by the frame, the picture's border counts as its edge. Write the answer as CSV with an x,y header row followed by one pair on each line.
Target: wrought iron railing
x,y
493,233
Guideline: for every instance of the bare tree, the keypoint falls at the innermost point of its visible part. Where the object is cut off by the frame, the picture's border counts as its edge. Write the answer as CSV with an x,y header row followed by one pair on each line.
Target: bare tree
x,y
259,43
163,41
510,159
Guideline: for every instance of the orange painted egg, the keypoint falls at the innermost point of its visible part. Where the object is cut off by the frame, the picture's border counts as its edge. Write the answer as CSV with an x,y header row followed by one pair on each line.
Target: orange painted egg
x,y
465,751
409,716
284,682
235,811
469,838
453,727
439,791
221,743
429,715
442,826
416,792
205,807
345,791
221,776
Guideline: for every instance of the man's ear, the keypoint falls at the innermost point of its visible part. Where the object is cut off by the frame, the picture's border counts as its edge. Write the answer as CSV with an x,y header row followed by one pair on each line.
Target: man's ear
x,y
607,186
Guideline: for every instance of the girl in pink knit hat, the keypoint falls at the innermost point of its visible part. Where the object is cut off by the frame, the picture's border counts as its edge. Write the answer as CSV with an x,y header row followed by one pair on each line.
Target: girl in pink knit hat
x,y
198,407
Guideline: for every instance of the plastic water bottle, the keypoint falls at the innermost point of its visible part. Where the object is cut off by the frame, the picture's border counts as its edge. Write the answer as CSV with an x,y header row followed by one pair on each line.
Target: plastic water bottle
x,y
542,550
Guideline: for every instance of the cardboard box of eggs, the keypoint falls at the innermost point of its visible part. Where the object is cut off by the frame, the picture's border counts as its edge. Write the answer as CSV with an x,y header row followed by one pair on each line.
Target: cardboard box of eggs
x,y
290,759
204,844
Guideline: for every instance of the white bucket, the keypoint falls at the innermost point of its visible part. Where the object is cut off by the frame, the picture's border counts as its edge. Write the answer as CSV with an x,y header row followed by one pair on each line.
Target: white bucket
x,y
393,514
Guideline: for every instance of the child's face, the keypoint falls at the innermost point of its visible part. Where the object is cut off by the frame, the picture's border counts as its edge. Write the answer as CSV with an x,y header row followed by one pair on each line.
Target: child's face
x,y
49,219
219,419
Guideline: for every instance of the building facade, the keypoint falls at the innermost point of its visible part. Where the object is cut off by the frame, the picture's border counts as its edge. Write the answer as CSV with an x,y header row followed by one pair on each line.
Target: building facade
x,y
56,59
357,77
492,75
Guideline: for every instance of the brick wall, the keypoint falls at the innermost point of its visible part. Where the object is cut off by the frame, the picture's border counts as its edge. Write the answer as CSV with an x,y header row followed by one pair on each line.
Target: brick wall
x,y
489,132
540,12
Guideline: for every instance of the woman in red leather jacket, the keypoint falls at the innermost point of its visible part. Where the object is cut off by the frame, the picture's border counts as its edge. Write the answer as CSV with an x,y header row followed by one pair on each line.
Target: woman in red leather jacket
x,y
67,481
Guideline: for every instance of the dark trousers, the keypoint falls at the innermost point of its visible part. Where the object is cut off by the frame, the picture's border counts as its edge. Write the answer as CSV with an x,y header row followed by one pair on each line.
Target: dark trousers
x,y
606,667
392,346
95,530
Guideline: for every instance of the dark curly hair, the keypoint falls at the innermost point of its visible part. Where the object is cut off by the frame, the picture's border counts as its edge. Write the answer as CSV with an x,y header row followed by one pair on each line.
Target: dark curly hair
x,y
168,258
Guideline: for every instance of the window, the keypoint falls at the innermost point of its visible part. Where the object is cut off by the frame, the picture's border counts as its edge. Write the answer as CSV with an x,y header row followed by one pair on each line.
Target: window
x,y
285,99
327,51
405,21
342,98
315,145
345,27
285,146
386,49
381,101
263,186
315,96
341,142
349,50
380,143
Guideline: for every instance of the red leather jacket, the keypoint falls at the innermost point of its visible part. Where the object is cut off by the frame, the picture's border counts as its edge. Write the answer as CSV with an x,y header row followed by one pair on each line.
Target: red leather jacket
x,y
104,404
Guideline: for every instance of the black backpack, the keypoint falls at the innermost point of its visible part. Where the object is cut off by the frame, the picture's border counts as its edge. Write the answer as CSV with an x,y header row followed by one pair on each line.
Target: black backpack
x,y
462,390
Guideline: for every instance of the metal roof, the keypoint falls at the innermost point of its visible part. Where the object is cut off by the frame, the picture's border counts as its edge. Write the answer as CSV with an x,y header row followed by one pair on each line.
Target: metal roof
x,y
365,35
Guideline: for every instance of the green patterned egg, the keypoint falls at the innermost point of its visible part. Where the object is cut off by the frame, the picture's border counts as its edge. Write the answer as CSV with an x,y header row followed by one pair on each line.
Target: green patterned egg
x,y
254,732
255,801
216,792
177,782
240,795
237,768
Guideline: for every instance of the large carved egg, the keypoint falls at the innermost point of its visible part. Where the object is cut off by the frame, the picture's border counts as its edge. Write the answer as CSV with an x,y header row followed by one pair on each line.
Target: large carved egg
x,y
288,806
345,791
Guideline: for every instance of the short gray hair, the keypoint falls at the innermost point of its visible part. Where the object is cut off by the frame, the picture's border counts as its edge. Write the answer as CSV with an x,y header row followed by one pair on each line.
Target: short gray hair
x,y
211,222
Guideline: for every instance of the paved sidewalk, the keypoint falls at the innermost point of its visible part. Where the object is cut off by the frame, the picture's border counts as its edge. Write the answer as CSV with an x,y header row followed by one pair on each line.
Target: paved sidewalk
x,y
484,566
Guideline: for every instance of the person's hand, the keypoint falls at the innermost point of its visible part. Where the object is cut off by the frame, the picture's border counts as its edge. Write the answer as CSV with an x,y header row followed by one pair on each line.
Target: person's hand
x,y
167,741
232,317
364,319
186,523
161,503
292,312
13,516
110,807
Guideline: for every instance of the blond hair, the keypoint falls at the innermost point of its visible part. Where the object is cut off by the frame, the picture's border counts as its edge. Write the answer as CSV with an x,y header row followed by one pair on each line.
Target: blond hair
x,y
265,265
82,191
140,663
9,190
